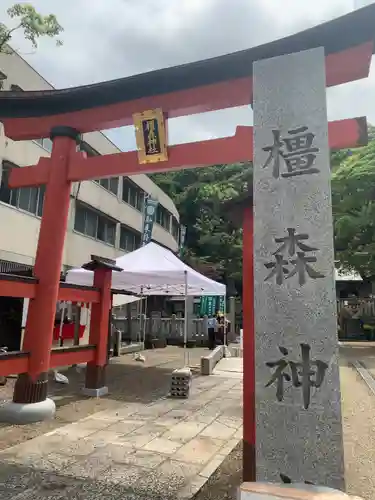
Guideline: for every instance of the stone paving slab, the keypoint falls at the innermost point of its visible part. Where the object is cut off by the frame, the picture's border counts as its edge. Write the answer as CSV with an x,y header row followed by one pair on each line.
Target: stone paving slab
x,y
129,382
166,449
231,364
229,367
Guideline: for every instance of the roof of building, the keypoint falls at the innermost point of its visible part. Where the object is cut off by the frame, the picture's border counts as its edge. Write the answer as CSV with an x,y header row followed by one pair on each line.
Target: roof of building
x,y
341,275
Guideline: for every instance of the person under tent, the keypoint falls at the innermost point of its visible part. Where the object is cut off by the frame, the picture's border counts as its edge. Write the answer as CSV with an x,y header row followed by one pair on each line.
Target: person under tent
x,y
212,330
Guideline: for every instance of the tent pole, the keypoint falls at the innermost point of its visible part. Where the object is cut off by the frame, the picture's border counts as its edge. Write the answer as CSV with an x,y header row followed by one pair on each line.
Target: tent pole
x,y
186,320
145,320
140,311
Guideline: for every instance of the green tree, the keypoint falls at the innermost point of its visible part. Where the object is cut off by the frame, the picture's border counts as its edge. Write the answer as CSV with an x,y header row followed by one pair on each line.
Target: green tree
x,y
353,200
213,244
24,17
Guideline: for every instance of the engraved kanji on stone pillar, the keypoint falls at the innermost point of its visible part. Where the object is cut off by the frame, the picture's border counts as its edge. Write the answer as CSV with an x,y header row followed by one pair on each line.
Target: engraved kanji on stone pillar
x,y
298,404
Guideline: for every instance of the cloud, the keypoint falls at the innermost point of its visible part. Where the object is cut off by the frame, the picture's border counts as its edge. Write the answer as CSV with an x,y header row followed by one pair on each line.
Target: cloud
x,y
105,40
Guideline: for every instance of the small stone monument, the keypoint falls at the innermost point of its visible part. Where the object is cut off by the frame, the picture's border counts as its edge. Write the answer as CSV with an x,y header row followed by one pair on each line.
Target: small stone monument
x,y
180,383
298,404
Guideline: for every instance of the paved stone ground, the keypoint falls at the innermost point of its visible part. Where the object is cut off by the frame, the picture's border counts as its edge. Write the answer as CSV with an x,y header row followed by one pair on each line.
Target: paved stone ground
x,y
128,381
358,411
132,386
225,481
155,449
229,367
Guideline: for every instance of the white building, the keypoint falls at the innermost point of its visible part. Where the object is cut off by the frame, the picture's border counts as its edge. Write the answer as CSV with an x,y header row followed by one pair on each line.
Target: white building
x,y
105,216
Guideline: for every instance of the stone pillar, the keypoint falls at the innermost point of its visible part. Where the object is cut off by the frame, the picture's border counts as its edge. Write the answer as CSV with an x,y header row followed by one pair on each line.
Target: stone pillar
x,y
100,314
129,322
232,314
189,317
205,330
298,406
173,335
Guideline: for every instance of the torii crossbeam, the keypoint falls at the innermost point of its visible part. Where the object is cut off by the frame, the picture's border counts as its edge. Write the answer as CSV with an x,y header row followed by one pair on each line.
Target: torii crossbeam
x,y
217,83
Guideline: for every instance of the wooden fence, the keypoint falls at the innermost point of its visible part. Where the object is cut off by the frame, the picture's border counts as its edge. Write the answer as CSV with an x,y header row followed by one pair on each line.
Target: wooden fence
x,y
366,306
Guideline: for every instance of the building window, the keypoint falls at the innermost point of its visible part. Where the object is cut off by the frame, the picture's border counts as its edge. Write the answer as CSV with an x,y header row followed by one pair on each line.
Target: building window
x,y
16,88
28,199
175,228
163,217
91,223
129,240
110,184
46,144
86,148
3,77
133,194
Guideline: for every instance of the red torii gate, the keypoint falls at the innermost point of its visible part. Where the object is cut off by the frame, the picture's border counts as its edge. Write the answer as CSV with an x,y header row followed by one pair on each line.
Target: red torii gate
x,y
213,84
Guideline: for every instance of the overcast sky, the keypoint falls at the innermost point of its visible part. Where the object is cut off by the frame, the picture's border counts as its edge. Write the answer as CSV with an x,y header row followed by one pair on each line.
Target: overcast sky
x,y
106,39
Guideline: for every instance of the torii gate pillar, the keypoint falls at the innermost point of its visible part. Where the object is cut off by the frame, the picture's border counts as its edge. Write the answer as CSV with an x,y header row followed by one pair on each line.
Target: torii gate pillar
x,y
30,393
241,212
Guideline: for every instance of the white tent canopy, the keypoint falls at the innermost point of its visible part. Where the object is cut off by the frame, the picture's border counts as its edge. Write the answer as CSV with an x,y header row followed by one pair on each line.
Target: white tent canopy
x,y
153,270
121,300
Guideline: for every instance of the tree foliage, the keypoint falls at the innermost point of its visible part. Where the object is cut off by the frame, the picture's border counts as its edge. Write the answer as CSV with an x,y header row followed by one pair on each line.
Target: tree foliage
x,y
353,200
213,243
24,17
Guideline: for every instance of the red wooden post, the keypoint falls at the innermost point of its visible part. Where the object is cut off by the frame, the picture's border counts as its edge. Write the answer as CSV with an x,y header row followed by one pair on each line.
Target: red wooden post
x,y
31,387
99,334
249,425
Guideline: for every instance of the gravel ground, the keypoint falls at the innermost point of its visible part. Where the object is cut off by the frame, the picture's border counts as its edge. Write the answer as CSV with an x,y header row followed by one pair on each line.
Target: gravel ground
x,y
358,406
127,380
224,482
131,381
358,410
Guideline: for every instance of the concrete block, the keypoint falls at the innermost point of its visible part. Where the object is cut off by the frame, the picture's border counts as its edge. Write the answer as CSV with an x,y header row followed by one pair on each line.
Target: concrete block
x,y
209,362
128,349
95,393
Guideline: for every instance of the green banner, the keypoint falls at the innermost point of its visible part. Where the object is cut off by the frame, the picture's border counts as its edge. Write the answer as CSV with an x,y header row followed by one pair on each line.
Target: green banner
x,y
203,306
221,304
211,304
182,238
148,219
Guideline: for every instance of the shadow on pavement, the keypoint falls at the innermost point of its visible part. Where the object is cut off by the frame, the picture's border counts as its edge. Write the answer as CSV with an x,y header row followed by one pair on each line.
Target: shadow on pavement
x,y
29,483
127,383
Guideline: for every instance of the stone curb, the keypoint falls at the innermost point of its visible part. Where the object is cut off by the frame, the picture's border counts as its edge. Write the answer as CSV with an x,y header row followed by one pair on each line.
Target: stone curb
x,y
365,375
128,349
191,489
209,362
